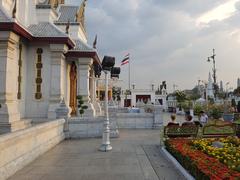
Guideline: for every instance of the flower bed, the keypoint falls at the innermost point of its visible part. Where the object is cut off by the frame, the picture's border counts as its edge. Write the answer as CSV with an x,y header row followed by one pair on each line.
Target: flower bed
x,y
194,156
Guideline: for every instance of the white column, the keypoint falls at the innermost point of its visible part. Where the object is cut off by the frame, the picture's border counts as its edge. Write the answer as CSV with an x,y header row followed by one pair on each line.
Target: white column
x,y
57,78
91,86
84,65
9,110
95,101
106,145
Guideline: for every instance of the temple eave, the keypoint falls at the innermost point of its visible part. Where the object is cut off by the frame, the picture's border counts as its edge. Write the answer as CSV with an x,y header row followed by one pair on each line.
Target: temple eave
x,y
16,28
84,54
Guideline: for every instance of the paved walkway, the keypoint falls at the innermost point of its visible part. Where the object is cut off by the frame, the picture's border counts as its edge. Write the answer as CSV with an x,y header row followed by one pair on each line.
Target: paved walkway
x,y
135,156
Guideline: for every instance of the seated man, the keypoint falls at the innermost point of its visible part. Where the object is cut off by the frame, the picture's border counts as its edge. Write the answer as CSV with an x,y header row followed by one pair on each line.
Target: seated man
x,y
188,121
173,121
203,118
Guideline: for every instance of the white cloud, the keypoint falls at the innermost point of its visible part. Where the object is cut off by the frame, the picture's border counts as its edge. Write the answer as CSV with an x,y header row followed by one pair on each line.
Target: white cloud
x,y
164,41
221,12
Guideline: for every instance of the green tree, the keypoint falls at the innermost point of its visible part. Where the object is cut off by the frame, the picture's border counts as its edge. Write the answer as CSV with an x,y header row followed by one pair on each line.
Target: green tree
x,y
181,96
233,103
236,92
238,106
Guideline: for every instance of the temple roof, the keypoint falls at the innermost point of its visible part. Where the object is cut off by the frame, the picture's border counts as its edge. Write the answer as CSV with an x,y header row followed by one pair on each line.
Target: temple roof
x,y
46,29
67,13
82,46
4,17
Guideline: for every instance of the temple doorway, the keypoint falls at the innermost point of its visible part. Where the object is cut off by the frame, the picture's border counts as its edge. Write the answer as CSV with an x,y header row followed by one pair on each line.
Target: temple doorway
x,y
73,89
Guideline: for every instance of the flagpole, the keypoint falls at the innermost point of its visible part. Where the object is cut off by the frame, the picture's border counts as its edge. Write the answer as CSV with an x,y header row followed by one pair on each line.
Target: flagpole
x,y
129,75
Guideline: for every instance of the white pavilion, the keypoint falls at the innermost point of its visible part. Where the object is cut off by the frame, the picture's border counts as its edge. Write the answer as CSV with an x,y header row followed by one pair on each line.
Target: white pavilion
x,y
44,58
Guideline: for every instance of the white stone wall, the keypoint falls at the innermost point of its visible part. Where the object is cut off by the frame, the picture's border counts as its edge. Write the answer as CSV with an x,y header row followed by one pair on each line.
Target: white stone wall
x,y
20,148
75,32
85,128
7,5
37,108
46,15
135,120
26,10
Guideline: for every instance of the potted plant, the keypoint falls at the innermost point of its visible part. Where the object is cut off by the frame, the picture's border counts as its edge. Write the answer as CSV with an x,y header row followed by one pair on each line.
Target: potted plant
x,y
81,106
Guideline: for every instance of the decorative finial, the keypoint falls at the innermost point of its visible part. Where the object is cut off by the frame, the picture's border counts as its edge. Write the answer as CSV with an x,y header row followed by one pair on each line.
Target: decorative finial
x,y
95,42
14,9
67,27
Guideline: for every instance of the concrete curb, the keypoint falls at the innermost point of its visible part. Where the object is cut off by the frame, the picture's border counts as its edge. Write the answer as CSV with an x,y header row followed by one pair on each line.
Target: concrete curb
x,y
177,165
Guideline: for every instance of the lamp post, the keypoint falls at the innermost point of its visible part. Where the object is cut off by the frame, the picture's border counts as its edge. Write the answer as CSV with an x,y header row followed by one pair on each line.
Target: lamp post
x,y
214,71
227,88
107,64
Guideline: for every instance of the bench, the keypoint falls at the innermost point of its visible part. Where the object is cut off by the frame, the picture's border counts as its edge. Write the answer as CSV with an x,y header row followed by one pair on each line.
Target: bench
x,y
174,131
219,130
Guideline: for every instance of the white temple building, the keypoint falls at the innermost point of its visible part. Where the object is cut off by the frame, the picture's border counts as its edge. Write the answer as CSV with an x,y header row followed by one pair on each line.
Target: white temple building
x,y
210,87
145,96
44,58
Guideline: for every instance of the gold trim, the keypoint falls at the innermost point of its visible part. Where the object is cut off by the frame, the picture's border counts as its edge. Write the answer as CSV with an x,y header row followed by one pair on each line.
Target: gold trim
x,y
38,79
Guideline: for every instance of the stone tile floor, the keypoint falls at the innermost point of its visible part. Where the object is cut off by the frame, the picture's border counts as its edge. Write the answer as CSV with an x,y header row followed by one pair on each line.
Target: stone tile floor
x,y
135,156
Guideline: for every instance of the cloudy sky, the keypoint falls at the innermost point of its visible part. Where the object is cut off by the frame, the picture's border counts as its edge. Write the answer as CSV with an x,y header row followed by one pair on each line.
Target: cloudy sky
x,y
168,39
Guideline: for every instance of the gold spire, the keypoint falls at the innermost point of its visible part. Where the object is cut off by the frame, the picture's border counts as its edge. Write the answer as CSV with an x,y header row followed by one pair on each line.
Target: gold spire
x,y
80,16
55,3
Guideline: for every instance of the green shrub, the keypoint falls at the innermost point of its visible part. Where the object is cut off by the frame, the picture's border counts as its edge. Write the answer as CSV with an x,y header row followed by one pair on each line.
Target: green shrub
x,y
197,109
81,107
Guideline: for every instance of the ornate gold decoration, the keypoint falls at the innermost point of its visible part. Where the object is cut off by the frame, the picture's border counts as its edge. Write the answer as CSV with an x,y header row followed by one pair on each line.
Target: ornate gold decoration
x,y
38,80
19,94
54,3
73,88
80,16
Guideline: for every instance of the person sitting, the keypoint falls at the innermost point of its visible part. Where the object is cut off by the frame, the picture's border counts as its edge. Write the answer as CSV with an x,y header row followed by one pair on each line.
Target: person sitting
x,y
203,118
188,121
173,121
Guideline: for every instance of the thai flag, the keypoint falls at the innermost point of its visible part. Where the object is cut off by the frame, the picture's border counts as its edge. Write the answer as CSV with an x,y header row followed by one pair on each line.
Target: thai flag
x,y
125,59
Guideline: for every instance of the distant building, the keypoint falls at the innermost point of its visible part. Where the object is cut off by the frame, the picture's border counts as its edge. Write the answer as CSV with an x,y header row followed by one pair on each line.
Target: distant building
x,y
238,82
145,96
221,86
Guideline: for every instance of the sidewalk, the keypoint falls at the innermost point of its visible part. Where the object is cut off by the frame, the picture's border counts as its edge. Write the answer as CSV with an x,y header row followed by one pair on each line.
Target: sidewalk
x,y
134,157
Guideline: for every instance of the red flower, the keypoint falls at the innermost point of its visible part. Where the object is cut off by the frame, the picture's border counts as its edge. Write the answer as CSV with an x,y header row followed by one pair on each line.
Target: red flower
x,y
209,166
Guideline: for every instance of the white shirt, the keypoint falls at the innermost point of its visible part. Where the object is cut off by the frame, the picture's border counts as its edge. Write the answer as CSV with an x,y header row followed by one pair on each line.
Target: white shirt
x,y
204,118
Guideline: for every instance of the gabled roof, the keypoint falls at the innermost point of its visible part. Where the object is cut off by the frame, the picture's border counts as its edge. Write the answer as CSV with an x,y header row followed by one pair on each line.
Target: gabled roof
x,y
4,17
46,29
82,46
82,49
67,13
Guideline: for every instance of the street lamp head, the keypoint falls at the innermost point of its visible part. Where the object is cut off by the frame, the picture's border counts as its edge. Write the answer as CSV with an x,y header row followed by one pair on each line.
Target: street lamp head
x,y
108,62
115,71
97,70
